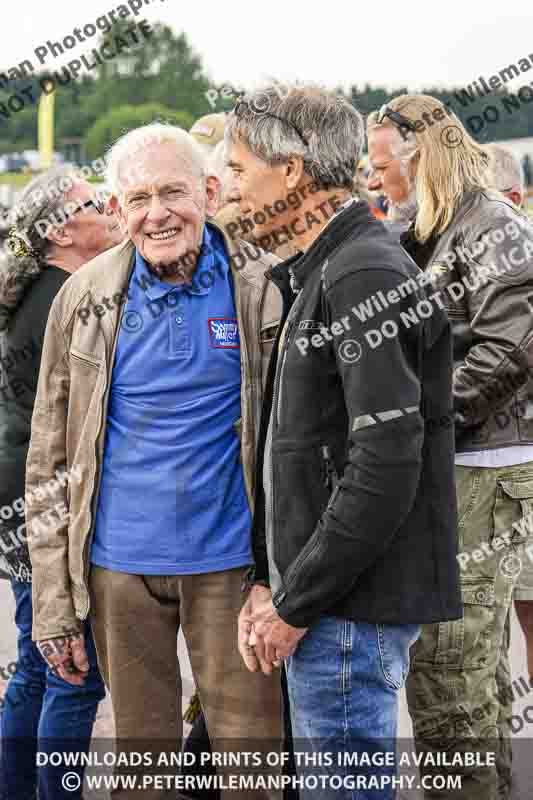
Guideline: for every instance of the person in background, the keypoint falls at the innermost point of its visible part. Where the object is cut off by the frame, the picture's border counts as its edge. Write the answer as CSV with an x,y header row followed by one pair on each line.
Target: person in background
x,y
507,174
361,189
41,710
208,131
476,248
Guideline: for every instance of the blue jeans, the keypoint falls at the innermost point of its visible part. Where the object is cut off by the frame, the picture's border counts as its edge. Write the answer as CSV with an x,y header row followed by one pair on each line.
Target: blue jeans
x,y
43,713
343,681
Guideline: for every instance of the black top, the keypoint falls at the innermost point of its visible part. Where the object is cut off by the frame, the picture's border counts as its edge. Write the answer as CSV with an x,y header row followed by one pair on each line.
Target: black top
x,y
362,518
20,358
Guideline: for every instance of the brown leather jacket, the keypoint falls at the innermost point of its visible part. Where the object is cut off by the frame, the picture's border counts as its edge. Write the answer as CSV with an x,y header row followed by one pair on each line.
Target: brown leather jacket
x,y
482,268
69,420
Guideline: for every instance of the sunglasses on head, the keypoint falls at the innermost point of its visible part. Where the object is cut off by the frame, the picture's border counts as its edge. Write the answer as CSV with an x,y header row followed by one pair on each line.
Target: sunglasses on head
x,y
243,106
96,203
396,117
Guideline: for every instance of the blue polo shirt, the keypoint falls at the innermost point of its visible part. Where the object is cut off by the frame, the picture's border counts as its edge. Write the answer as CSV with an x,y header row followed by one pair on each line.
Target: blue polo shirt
x,y
172,496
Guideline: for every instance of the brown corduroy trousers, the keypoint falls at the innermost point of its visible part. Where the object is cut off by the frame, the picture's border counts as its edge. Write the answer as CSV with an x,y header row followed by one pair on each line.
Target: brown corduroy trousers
x,y
135,621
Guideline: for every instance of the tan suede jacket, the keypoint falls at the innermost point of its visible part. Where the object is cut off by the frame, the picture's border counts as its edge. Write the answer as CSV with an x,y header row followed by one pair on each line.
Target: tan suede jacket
x,y
69,419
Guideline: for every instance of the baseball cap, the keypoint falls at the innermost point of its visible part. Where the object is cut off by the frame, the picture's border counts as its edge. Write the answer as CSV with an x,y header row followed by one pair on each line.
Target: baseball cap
x,y
209,130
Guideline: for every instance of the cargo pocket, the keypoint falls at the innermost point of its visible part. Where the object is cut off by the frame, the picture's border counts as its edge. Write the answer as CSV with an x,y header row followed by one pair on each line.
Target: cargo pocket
x,y
464,642
513,513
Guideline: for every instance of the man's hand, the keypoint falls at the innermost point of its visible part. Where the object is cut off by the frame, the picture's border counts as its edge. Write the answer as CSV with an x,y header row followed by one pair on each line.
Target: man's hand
x,y
259,595
66,656
273,638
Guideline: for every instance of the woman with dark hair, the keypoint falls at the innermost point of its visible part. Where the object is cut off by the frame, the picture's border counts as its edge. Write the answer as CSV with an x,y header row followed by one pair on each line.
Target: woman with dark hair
x,y
58,225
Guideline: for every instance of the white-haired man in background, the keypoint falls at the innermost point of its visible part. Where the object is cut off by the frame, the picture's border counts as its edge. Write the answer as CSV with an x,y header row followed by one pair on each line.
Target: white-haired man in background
x,y
507,174
508,177
151,384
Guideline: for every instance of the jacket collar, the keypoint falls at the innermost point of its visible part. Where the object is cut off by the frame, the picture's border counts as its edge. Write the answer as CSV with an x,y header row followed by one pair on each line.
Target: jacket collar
x,y
110,273
346,223
122,258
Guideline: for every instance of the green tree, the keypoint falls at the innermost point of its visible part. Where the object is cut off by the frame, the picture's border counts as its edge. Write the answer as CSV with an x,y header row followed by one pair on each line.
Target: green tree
x,y
123,119
161,69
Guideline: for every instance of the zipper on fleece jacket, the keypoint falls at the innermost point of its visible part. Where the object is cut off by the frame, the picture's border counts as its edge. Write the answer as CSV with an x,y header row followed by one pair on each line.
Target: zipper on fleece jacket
x,y
330,471
278,392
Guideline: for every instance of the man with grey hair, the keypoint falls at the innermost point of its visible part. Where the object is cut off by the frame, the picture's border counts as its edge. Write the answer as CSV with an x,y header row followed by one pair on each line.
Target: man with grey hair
x,y
348,528
507,174
151,384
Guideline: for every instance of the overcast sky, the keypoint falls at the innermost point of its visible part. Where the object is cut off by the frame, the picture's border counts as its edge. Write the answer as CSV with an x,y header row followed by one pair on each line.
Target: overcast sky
x,y
384,43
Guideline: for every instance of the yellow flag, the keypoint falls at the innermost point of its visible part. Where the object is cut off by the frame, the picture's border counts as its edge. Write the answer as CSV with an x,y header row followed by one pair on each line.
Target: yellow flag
x,y
46,128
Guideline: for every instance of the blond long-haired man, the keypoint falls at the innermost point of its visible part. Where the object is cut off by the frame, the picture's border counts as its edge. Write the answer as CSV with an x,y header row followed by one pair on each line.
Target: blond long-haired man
x,y
478,249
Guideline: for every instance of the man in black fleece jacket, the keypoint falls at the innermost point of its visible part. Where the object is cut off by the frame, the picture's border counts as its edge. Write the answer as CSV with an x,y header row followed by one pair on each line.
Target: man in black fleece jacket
x,y
355,529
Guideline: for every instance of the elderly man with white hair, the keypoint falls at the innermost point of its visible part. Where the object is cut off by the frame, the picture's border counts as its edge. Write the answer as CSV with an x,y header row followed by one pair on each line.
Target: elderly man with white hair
x,y
507,174
151,385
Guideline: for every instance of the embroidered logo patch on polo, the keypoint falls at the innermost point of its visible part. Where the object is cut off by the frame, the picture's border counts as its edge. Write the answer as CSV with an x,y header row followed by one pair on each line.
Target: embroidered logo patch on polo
x,y
223,332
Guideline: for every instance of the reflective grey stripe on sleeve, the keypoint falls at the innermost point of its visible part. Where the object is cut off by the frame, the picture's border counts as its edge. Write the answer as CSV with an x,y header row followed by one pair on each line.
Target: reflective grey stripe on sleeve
x,y
365,420
384,416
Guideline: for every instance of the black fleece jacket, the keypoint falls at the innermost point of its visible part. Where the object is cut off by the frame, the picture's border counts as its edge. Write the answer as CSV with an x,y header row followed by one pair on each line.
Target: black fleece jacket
x,y
362,522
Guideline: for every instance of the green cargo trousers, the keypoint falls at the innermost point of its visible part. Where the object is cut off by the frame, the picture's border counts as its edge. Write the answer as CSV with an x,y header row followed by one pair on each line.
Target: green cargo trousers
x,y
459,687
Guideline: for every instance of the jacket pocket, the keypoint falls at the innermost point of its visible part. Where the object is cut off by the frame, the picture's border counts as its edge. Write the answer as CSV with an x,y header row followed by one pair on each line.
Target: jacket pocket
x,y
85,376
78,357
301,495
268,334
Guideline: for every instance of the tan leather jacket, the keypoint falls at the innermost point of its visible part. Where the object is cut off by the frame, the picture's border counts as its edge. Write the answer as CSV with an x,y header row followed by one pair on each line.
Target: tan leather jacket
x,y
69,420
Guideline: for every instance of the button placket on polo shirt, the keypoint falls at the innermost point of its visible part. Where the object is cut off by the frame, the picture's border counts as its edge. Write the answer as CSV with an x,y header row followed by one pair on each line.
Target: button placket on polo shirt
x,y
179,327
